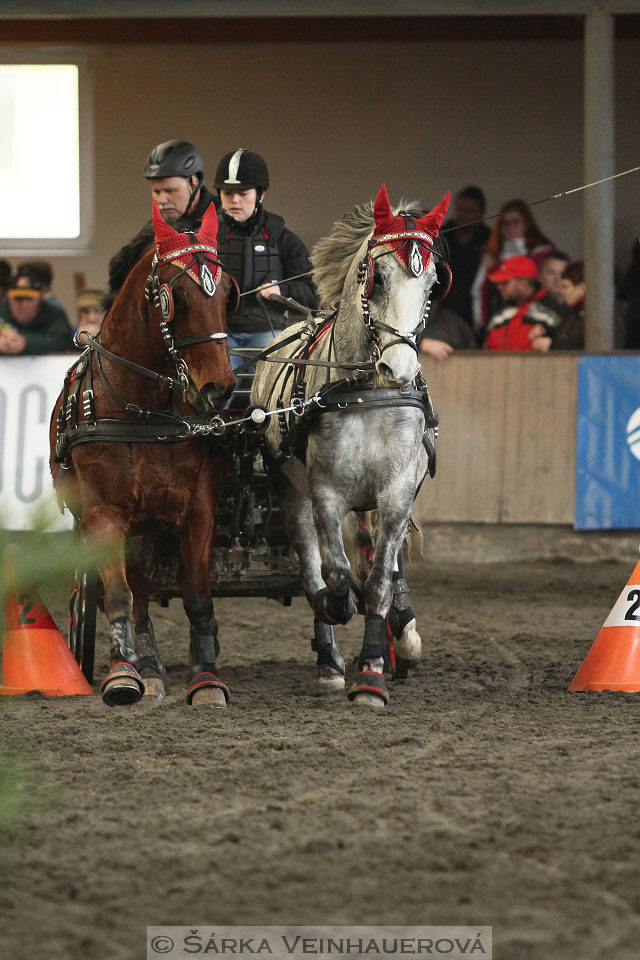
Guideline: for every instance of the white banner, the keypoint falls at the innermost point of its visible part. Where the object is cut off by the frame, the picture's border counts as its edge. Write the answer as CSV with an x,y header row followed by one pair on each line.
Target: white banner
x,y
29,387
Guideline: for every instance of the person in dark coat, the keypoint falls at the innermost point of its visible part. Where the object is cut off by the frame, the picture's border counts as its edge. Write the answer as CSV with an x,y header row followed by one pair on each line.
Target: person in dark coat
x,y
466,236
569,333
260,252
175,172
30,325
630,293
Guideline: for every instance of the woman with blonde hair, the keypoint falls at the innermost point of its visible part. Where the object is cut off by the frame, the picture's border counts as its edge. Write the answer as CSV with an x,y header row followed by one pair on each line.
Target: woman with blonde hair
x,y
515,233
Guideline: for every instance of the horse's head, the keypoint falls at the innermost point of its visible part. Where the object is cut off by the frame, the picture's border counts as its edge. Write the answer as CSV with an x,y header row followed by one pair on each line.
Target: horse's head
x,y
189,293
400,272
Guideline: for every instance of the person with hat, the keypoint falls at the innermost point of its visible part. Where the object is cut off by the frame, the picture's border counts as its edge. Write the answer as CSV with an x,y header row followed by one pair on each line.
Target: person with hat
x,y
175,172
259,251
30,325
89,304
42,271
526,306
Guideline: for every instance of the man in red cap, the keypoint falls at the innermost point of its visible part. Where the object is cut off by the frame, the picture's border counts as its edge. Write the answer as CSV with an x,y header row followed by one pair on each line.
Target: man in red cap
x,y
526,305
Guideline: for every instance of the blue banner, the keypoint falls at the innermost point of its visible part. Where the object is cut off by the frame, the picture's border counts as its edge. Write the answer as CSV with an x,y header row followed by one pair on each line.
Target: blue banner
x,y
608,451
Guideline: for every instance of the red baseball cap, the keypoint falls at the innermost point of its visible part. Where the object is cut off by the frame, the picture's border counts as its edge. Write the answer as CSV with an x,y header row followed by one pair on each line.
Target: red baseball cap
x,y
521,267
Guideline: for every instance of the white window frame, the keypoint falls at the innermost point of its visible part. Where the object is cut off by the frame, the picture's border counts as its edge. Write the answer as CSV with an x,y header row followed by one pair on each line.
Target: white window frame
x,y
81,244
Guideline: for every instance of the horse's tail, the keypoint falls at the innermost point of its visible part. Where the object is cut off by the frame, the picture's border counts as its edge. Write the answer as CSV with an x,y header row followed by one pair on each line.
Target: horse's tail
x,y
358,535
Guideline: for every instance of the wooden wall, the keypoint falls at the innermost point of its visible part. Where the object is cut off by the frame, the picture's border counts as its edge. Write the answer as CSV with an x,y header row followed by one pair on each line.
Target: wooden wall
x,y
507,444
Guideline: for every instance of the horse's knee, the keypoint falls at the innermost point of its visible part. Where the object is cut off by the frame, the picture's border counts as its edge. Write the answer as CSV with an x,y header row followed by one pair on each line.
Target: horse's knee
x,y
337,579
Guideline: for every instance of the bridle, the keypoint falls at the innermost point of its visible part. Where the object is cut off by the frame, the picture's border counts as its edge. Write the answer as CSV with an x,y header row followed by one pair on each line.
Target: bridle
x,y
419,241
197,259
160,296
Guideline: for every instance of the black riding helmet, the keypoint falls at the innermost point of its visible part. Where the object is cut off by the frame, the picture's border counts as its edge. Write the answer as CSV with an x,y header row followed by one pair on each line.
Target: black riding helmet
x,y
243,169
175,158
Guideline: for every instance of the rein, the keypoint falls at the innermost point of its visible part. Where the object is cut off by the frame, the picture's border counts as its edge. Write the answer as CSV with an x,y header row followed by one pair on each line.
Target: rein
x,y
170,424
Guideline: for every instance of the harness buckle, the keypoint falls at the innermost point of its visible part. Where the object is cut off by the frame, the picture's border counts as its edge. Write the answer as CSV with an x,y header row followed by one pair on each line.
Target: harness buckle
x,y
183,374
87,405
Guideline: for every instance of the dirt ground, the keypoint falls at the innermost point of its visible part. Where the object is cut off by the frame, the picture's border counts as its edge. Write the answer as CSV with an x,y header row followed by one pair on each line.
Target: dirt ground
x,y
485,794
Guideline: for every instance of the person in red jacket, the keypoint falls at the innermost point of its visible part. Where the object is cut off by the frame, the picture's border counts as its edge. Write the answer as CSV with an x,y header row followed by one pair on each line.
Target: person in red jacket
x,y
525,305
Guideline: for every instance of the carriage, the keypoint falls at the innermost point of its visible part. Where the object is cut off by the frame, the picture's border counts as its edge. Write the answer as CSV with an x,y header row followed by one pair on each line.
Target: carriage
x,y
324,439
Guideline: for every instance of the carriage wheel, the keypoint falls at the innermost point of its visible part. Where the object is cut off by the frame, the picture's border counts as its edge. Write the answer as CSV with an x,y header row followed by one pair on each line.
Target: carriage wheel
x,y
83,608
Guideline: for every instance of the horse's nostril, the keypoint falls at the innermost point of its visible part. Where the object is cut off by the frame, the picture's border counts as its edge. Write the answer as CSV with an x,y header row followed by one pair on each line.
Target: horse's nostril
x,y
385,371
215,396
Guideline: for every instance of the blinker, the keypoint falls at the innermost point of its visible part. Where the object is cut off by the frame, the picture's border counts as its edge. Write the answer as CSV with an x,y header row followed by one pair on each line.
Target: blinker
x,y
165,300
207,281
415,260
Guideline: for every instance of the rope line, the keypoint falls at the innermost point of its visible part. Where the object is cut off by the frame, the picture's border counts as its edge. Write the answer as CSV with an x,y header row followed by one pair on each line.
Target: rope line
x,y
472,223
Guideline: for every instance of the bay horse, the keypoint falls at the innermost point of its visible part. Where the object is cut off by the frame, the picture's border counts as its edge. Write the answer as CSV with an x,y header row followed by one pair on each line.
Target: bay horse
x,y
130,452
358,446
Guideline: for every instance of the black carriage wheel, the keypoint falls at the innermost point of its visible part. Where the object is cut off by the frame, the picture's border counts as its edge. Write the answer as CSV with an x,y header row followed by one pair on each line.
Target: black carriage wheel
x,y
83,608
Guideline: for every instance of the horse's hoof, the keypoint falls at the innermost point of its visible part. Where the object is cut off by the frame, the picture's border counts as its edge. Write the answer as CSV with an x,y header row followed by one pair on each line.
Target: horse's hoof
x,y
408,645
122,686
368,700
208,697
154,688
206,688
329,679
370,688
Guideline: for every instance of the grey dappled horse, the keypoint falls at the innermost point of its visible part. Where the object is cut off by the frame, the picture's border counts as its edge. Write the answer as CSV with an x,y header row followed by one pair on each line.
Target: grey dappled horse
x,y
380,269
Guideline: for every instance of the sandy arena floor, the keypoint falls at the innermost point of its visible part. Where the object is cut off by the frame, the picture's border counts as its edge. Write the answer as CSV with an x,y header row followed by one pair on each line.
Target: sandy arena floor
x,y
484,794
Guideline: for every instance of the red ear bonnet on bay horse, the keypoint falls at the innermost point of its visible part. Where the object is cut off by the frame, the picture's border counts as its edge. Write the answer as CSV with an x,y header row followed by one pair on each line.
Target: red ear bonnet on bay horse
x,y
196,253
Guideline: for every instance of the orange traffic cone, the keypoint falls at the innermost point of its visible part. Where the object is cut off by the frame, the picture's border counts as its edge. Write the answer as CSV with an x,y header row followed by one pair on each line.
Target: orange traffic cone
x,y
613,662
34,654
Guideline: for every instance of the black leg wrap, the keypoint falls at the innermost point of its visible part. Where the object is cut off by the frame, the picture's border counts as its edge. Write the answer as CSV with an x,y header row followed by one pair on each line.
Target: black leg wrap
x,y
121,642
324,645
400,612
323,635
204,649
373,645
331,609
148,657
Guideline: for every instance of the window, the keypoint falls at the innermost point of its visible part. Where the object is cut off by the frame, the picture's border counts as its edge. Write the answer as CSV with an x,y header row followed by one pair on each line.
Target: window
x,y
45,154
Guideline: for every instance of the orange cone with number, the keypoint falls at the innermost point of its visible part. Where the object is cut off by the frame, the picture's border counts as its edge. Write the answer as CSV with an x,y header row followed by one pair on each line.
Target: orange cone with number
x,y
613,663
34,654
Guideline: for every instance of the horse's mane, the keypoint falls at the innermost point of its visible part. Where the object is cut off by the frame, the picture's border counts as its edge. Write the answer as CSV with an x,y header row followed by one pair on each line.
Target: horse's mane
x,y
333,255
125,259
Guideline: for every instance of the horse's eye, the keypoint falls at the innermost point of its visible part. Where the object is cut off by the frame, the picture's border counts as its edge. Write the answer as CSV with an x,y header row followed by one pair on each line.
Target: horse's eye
x,y
377,278
179,299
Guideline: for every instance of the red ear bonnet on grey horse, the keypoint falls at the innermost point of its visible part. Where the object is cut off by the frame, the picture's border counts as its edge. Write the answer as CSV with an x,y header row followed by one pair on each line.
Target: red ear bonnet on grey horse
x,y
386,223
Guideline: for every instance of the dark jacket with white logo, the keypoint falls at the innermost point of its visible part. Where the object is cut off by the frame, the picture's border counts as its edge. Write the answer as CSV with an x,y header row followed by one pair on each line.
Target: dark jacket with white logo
x,y
257,253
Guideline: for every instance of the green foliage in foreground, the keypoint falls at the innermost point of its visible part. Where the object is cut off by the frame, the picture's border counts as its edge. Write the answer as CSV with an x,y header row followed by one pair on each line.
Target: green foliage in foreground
x,y
36,558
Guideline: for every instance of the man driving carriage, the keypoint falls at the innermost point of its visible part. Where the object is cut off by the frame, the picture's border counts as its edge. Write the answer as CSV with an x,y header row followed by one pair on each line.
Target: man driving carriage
x,y
175,172
257,249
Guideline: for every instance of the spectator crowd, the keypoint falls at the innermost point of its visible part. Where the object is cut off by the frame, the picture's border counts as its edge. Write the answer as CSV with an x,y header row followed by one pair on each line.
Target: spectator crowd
x,y
512,288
